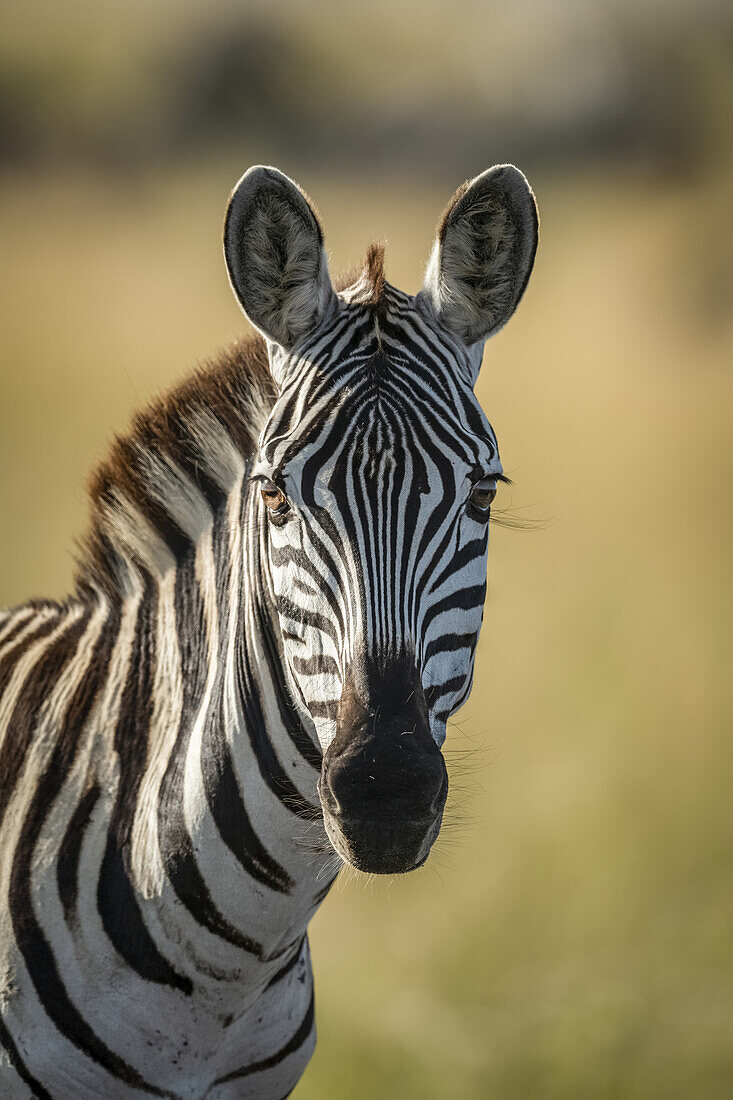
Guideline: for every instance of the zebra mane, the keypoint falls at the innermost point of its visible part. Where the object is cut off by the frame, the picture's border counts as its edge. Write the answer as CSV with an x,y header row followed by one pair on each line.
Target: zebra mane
x,y
163,479
161,482
365,285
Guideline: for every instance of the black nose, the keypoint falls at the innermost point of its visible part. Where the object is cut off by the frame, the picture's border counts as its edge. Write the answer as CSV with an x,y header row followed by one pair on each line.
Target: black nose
x,y
387,776
383,780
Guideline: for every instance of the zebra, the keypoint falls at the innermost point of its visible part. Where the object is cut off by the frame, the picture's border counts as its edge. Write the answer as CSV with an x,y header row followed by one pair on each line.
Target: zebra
x,y
276,611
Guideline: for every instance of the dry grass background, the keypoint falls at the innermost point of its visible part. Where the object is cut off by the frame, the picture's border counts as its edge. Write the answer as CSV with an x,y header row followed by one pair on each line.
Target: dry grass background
x,y
571,934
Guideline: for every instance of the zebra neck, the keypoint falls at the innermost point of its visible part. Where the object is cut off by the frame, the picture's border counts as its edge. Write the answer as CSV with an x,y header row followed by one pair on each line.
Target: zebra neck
x,y
227,830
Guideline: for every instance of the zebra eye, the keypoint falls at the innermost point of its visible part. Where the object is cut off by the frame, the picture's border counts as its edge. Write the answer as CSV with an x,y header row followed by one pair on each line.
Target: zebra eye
x,y
275,500
482,494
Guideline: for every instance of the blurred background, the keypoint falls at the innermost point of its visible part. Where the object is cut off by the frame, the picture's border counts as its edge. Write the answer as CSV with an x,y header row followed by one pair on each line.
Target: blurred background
x,y
571,936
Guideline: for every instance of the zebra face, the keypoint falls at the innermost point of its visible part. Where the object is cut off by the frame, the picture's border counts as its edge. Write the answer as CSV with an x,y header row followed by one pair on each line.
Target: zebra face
x,y
374,481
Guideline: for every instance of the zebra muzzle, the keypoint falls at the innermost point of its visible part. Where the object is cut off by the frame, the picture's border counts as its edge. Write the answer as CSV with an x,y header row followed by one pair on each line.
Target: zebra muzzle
x,y
383,791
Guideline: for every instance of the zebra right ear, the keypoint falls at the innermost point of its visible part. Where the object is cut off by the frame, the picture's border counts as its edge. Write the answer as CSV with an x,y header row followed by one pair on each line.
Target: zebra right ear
x,y
273,246
483,254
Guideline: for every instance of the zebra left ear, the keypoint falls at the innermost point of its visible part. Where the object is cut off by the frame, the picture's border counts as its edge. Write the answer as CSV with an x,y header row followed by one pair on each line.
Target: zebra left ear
x,y
483,254
273,246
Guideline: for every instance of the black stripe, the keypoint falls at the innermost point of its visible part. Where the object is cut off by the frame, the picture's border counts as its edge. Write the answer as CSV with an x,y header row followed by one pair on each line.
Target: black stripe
x,y
67,865
230,814
183,448
306,747
465,599
22,623
449,643
135,715
191,889
122,920
268,763
137,489
38,686
289,965
437,691
294,1044
287,555
447,431
320,664
29,937
176,845
8,1045
324,891
42,628
117,902
324,708
290,610
421,582
441,376
465,555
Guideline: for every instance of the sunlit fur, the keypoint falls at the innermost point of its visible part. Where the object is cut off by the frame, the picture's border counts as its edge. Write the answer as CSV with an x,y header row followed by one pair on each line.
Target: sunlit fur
x,y
162,843
381,553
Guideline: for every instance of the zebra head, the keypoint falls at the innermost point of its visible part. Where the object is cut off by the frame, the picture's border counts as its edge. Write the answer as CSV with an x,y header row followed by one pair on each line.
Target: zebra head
x,y
376,471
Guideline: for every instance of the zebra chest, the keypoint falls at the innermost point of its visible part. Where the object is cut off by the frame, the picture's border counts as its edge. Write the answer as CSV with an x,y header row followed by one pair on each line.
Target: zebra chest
x,y
221,1039
180,972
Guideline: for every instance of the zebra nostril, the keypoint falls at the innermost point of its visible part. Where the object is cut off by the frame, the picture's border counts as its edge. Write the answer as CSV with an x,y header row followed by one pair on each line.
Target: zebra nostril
x,y
440,789
328,798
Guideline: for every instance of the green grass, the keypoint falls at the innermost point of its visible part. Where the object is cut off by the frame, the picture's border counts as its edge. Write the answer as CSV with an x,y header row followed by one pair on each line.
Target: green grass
x,y
570,936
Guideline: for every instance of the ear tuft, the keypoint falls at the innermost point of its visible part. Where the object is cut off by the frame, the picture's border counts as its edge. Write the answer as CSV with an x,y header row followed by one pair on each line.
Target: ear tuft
x,y
483,254
273,246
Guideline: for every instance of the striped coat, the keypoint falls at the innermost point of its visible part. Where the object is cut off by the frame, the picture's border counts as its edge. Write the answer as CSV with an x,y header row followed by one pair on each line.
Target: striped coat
x,y
190,746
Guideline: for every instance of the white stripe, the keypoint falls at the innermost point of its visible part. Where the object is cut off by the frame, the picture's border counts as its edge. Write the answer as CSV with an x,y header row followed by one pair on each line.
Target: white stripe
x,y
146,862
